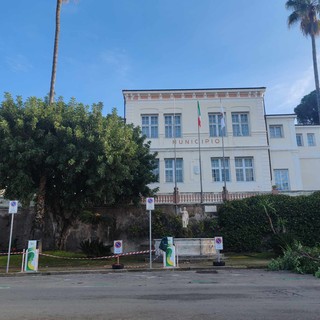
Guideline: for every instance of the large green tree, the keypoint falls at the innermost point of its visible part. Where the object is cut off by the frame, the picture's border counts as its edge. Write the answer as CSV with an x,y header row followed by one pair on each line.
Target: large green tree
x,y
67,157
305,12
307,111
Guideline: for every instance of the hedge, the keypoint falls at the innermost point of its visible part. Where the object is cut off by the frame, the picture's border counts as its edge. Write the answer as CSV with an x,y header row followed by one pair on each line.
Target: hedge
x,y
245,225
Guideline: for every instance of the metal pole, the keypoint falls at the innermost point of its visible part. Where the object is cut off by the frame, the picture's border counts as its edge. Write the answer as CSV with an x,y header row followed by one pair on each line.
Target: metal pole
x,y
200,165
150,239
10,238
223,155
175,155
22,262
224,164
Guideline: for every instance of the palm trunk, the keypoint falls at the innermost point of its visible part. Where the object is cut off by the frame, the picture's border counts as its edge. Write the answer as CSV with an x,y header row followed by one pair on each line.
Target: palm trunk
x,y
316,75
55,52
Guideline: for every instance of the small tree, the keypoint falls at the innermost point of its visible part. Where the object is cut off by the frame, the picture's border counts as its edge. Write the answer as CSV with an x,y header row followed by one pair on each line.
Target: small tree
x,y
307,111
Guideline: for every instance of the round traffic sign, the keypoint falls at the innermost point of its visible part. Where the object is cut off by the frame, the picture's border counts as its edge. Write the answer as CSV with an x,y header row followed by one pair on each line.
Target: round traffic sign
x,y
118,244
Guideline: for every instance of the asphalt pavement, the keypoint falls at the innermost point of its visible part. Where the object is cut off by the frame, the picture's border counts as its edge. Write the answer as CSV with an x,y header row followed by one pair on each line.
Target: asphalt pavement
x,y
220,294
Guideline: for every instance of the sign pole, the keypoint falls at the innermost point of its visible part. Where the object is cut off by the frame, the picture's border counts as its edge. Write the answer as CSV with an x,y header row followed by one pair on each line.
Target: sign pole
x,y
150,239
150,207
13,208
10,239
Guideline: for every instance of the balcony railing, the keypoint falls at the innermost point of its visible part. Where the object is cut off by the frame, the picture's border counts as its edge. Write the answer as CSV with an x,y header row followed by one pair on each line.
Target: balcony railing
x,y
195,197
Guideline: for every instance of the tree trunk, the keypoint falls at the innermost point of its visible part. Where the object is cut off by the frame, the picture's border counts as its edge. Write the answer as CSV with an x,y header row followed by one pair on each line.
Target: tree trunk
x,y
60,224
316,75
38,224
65,230
55,52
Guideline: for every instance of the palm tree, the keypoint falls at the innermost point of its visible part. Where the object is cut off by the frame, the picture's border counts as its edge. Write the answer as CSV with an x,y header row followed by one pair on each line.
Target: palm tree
x,y
306,13
55,50
38,225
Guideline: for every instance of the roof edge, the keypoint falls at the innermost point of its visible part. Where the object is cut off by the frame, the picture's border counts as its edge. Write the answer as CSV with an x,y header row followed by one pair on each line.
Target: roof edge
x,y
198,89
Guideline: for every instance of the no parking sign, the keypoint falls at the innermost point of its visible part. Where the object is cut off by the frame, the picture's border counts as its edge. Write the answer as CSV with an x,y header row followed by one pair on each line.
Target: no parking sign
x,y
117,247
13,206
150,203
218,243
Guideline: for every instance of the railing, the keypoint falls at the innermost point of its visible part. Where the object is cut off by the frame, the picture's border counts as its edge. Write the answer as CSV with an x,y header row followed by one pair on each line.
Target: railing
x,y
195,197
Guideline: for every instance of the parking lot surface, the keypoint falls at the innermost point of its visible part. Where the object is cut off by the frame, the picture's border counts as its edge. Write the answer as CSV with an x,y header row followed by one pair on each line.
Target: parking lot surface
x,y
224,294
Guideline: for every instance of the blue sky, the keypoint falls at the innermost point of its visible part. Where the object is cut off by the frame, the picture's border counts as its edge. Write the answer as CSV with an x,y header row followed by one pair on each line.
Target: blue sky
x,y
110,45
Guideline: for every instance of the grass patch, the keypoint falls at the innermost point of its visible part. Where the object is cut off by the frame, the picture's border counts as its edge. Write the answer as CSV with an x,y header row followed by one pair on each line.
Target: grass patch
x,y
59,260
49,263
250,260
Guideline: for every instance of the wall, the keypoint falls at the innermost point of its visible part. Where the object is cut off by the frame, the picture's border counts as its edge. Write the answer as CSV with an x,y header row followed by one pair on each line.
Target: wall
x,y
118,219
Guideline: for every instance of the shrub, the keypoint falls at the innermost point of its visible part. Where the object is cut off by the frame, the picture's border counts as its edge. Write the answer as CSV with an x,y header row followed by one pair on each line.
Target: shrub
x,y
298,258
280,242
164,224
95,248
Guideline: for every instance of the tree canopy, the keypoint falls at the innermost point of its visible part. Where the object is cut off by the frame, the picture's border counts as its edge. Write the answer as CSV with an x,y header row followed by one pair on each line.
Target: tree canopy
x,y
307,111
67,156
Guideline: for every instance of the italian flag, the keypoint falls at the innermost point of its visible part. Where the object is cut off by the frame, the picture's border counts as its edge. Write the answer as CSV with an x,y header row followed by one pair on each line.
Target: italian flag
x,y
199,115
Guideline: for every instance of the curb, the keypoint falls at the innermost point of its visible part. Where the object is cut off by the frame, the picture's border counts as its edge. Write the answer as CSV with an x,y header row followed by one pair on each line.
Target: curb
x,y
212,269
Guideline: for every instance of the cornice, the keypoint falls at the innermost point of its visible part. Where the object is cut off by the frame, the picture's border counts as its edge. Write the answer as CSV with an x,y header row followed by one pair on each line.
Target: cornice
x,y
192,94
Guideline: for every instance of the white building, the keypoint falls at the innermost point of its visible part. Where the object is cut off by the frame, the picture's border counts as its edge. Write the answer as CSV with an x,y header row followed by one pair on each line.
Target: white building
x,y
259,150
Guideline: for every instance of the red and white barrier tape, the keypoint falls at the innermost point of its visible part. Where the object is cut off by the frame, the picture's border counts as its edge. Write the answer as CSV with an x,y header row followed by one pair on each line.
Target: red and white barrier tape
x,y
99,258
11,253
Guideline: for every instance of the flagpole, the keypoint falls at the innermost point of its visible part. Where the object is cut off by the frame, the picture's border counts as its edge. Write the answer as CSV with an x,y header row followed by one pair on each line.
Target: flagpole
x,y
223,155
200,166
175,155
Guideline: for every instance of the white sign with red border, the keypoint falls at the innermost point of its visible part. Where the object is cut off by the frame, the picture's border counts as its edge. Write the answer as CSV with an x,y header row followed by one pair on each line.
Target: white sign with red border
x,y
218,243
117,247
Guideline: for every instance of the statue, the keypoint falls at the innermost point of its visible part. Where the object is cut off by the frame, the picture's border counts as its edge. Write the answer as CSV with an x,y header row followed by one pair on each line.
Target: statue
x,y
185,217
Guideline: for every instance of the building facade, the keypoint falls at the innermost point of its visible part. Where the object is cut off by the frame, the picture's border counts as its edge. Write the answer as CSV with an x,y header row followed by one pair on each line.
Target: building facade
x,y
236,145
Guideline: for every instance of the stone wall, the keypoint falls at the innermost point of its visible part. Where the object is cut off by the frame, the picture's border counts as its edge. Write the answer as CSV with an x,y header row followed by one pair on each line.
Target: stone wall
x,y
22,224
117,219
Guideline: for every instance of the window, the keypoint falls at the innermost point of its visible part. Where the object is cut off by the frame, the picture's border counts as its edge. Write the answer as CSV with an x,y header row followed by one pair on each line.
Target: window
x,y
311,139
215,125
244,169
172,126
276,131
240,124
220,171
169,170
299,138
150,125
156,170
282,179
